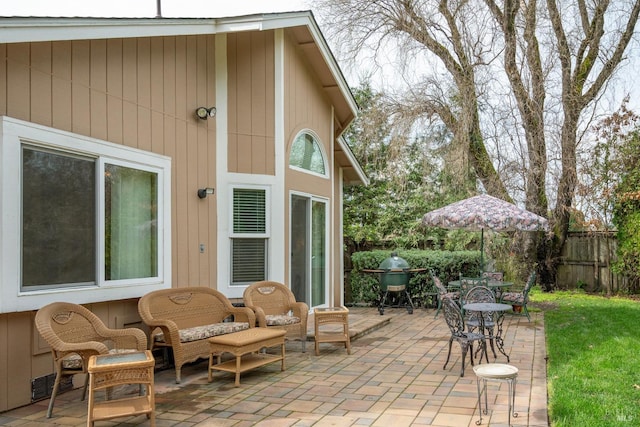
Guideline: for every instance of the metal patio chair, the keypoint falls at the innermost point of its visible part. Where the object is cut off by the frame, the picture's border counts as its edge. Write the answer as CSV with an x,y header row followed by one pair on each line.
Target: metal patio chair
x,y
468,283
471,318
455,321
443,292
519,300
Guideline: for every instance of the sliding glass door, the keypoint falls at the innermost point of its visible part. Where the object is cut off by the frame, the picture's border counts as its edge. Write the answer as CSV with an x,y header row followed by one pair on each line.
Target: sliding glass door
x,y
309,249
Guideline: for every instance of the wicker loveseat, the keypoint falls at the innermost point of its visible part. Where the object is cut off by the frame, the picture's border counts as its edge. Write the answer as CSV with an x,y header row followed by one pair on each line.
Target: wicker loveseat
x,y
184,318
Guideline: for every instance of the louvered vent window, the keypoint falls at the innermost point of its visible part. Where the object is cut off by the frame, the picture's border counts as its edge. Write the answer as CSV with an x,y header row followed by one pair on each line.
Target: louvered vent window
x,y
249,239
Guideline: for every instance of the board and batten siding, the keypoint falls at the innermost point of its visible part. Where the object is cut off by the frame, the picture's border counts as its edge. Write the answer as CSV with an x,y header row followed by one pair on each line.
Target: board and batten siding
x,y
251,99
139,92
306,106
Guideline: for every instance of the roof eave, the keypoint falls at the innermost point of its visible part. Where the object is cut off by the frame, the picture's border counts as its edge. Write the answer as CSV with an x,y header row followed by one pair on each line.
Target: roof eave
x,y
357,176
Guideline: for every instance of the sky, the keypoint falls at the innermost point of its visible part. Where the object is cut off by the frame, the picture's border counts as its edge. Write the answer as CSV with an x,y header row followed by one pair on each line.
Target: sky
x,y
147,8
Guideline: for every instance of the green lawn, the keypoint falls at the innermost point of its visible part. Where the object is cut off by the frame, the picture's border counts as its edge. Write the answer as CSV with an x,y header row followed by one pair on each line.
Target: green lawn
x,y
593,371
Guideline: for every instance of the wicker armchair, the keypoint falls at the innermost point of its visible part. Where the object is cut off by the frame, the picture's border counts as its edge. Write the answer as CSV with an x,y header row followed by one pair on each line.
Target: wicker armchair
x,y
75,334
276,306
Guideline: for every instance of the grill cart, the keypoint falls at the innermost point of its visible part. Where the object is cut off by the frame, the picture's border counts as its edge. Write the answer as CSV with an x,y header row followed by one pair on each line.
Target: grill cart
x,y
393,275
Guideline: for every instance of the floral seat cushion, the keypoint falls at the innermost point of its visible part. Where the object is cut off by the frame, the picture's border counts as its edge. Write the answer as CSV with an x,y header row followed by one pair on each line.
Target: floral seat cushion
x,y
281,320
513,297
207,331
74,361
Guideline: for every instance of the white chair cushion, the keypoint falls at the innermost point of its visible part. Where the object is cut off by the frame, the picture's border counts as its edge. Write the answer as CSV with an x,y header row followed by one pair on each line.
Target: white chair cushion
x,y
281,320
206,331
513,297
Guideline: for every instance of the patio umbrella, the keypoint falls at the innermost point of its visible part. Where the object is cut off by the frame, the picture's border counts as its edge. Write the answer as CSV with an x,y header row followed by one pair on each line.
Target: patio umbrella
x,y
479,212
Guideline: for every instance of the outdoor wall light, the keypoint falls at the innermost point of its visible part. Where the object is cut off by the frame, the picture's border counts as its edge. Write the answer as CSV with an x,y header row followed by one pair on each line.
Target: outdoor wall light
x,y
204,112
204,192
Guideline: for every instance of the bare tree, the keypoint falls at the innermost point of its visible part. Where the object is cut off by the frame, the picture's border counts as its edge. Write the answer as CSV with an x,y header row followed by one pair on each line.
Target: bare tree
x,y
438,29
557,58
587,54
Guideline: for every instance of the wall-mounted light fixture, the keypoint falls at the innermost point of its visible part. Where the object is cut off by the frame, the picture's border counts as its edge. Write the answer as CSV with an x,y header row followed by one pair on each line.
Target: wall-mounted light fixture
x,y
204,192
204,112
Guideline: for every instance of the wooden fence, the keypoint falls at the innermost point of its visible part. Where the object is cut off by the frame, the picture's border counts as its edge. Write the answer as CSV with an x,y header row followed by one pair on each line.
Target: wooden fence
x,y
586,263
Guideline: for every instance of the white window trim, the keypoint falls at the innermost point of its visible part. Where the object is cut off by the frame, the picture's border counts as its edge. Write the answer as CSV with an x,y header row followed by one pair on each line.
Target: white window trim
x,y
102,226
265,235
328,241
322,151
13,133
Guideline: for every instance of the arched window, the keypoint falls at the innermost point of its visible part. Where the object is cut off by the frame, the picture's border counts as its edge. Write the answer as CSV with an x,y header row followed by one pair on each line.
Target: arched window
x,y
307,154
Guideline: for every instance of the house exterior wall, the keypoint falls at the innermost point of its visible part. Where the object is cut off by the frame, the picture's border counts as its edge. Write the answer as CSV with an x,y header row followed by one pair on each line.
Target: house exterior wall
x,y
142,93
308,109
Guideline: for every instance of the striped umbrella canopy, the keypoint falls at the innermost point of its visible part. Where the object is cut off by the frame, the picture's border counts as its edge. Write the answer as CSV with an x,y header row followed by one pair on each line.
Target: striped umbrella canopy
x,y
482,212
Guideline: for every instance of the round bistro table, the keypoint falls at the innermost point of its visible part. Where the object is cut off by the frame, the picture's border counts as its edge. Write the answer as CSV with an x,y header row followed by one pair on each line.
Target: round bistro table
x,y
491,307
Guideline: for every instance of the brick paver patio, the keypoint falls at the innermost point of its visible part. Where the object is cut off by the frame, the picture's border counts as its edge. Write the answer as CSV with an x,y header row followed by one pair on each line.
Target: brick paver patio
x,y
393,378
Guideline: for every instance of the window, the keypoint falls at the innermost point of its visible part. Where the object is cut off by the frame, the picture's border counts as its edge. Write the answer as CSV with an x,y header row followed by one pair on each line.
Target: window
x,y
250,235
306,154
58,219
87,218
131,243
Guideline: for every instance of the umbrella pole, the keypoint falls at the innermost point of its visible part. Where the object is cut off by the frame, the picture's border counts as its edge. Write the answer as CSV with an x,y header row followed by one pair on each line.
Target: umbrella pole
x,y
481,251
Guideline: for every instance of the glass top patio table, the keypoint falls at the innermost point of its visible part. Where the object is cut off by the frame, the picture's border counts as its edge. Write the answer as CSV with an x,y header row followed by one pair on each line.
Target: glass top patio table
x,y
486,306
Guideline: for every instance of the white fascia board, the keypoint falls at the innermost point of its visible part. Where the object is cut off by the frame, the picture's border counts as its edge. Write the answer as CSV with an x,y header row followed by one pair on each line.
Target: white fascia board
x,y
352,159
19,30
333,65
36,29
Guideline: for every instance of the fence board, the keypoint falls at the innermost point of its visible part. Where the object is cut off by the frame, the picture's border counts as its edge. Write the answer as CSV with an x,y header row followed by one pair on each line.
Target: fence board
x,y
586,263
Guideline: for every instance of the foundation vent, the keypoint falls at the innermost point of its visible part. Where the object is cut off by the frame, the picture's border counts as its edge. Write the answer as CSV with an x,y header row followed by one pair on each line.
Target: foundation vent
x,y
41,387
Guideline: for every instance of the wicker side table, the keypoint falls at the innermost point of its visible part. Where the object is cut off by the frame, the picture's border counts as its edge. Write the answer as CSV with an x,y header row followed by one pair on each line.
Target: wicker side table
x,y
245,343
331,316
111,370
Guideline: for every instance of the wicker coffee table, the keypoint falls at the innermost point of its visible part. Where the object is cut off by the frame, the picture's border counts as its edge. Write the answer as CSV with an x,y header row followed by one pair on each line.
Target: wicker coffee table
x,y
244,345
